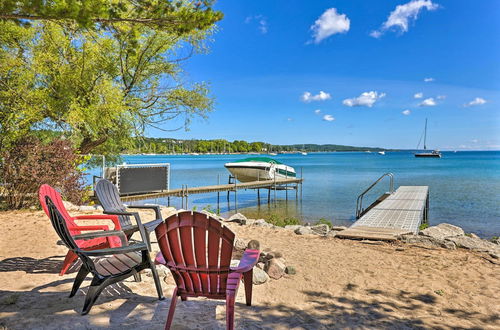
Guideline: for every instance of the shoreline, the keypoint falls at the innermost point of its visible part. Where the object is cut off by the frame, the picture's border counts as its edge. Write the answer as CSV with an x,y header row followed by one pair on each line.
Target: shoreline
x,y
338,284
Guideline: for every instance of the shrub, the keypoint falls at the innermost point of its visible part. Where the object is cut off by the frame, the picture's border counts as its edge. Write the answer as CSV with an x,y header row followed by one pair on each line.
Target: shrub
x,y
423,226
282,221
324,221
31,163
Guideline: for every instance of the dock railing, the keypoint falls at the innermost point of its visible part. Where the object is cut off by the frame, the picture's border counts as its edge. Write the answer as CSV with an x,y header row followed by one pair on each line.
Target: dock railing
x,y
359,201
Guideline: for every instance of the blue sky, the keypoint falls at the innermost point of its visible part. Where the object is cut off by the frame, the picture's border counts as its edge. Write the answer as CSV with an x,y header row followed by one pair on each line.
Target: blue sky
x,y
363,65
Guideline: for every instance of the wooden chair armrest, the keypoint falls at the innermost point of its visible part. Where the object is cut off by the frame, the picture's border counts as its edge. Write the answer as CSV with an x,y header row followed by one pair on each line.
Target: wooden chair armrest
x,y
247,262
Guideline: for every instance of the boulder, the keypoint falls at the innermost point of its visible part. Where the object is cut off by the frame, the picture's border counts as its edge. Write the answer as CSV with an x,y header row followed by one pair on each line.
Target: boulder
x,y
332,233
474,236
259,276
322,229
275,268
292,227
238,217
442,231
426,240
496,240
70,206
249,222
240,244
472,243
303,230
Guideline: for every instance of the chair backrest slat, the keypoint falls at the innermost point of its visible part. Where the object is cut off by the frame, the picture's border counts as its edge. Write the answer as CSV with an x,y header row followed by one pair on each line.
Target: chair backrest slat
x,y
109,197
198,250
47,191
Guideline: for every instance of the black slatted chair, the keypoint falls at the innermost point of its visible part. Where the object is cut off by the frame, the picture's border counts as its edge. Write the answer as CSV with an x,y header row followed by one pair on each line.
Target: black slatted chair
x,y
109,198
108,265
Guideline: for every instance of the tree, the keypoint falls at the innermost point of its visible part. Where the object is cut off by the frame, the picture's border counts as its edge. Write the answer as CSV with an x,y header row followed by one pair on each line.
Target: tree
x,y
180,17
99,86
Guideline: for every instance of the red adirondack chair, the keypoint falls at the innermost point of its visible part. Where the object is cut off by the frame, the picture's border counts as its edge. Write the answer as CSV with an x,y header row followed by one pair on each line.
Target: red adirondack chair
x,y
185,250
75,229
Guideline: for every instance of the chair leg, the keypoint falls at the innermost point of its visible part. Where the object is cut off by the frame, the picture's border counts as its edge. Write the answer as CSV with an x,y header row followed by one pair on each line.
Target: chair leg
x,y
93,293
171,310
248,278
230,298
68,261
137,277
156,278
80,277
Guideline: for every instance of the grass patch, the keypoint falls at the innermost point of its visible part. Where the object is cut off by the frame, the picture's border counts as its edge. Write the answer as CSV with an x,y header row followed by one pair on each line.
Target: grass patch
x,y
494,239
423,226
439,292
282,221
324,221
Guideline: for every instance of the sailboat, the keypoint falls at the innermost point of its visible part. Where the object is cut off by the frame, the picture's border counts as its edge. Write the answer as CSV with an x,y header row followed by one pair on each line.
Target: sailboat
x,y
433,153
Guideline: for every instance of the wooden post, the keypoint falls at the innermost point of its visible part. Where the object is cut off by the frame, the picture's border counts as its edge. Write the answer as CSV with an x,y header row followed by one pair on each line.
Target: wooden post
x,y
218,192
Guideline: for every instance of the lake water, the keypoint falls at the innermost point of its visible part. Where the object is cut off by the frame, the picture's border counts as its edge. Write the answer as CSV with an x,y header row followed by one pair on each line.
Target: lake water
x,y
464,186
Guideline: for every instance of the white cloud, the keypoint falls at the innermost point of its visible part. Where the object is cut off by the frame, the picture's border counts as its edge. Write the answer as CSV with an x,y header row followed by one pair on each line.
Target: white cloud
x,y
430,102
441,97
261,21
476,101
328,118
317,111
406,112
474,140
289,119
429,79
418,95
328,24
400,17
366,99
321,96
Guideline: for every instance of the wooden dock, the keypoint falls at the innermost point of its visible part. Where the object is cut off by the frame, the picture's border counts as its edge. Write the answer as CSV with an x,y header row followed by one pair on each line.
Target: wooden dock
x,y
278,184
401,212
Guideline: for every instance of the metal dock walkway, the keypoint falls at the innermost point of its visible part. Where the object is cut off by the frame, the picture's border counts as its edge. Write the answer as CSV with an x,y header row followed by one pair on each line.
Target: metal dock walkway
x,y
396,213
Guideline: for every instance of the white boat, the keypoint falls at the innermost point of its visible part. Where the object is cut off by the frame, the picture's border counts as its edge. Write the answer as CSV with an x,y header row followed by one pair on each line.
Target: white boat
x,y
259,168
303,153
273,154
381,152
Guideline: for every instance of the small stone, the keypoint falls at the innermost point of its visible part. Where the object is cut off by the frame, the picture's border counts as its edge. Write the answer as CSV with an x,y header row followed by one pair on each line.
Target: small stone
x,y
290,270
162,270
253,245
275,268
260,265
259,276
240,244
303,230
400,249
322,229
263,257
270,256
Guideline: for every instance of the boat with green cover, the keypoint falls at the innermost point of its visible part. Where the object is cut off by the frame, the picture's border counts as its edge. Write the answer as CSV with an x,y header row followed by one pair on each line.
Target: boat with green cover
x,y
259,168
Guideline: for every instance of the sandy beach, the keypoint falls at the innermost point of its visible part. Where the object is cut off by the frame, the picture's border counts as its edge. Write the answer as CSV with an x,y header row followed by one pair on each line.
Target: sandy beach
x,y
339,284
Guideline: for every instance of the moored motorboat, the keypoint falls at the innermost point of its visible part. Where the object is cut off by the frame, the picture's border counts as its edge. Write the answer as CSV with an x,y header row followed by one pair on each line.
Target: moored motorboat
x,y
259,168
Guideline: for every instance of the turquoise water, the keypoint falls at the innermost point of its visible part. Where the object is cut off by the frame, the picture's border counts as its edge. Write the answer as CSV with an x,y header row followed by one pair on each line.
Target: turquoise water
x,y
464,186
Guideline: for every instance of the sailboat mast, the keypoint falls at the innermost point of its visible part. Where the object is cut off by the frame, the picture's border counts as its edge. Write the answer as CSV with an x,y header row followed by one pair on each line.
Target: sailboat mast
x,y
425,134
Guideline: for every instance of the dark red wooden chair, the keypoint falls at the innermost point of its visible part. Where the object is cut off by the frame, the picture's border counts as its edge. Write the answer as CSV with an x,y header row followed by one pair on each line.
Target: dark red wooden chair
x,y
197,249
99,242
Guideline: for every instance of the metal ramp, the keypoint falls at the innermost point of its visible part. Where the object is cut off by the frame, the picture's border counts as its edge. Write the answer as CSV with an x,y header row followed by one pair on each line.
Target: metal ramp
x,y
402,211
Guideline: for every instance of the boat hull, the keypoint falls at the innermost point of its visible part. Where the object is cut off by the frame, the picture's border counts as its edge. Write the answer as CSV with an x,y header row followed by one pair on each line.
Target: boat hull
x,y
428,155
255,171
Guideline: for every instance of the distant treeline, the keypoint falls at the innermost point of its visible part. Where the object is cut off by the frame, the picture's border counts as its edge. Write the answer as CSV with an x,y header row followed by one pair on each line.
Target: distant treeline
x,y
167,145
